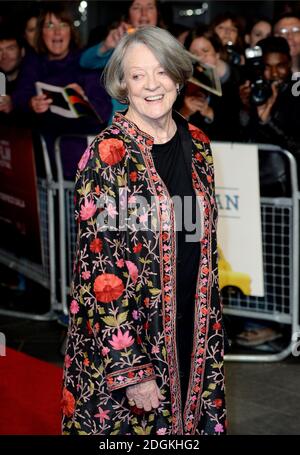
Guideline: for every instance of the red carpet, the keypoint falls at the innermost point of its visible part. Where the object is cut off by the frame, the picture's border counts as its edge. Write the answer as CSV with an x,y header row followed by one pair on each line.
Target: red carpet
x,y
30,393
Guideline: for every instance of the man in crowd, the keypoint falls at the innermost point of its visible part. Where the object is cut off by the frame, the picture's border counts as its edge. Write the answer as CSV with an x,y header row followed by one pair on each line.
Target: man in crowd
x,y
288,26
11,54
277,120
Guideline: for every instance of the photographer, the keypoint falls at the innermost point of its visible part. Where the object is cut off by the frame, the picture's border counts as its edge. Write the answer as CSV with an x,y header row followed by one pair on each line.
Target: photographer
x,y
271,114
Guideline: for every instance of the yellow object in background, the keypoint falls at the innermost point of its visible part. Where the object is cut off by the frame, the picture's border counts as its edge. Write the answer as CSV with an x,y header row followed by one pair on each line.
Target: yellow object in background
x,y
230,279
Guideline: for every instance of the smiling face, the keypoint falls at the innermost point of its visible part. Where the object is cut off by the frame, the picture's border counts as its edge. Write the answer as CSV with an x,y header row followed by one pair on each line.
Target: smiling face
x,y
57,37
143,12
277,67
151,92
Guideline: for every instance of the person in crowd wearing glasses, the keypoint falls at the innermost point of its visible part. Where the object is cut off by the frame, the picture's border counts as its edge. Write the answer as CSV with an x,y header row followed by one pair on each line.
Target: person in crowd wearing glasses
x,y
57,63
145,342
288,27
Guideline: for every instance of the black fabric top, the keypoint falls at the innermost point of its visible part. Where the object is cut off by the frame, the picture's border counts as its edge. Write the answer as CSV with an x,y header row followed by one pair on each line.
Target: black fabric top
x,y
170,164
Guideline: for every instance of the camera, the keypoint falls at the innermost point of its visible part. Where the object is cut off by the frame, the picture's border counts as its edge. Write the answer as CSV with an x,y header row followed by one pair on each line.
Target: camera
x,y
234,57
254,71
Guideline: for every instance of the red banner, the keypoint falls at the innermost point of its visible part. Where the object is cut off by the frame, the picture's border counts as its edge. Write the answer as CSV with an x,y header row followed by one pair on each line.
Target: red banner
x,y
19,213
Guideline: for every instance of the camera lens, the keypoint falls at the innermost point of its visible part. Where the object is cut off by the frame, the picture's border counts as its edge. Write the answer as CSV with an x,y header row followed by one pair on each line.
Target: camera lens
x,y
260,92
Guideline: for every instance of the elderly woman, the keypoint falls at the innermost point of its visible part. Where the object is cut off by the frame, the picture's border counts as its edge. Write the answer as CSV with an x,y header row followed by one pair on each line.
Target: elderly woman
x,y
145,341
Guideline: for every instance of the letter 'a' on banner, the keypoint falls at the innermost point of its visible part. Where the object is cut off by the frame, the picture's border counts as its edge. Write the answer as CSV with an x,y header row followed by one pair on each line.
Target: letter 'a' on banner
x,y
239,220
2,84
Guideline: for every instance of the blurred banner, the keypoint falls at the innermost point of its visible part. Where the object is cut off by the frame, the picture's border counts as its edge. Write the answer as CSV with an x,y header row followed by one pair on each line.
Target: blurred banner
x,y
239,225
19,215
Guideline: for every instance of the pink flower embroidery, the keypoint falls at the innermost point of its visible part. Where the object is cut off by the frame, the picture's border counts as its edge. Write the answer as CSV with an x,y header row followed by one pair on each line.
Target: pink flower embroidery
x,y
74,307
84,159
219,428
155,350
120,263
144,218
68,361
161,431
131,200
135,315
103,415
86,275
105,351
121,340
133,270
111,209
87,210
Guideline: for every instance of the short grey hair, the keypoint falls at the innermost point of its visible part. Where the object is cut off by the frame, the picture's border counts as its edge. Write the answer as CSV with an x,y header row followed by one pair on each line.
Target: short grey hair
x,y
169,52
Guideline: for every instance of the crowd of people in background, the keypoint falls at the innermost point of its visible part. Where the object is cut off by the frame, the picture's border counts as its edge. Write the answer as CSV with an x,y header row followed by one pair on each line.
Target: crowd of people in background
x,y
48,50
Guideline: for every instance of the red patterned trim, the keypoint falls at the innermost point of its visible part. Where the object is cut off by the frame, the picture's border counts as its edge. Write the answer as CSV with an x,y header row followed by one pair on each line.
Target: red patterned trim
x,y
130,376
192,409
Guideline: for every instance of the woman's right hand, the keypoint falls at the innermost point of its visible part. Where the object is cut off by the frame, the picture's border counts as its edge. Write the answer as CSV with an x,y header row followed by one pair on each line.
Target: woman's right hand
x,y
145,395
114,37
40,103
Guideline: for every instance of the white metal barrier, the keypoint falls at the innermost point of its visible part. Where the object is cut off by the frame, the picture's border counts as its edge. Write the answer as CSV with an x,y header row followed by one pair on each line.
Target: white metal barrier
x,y
43,274
280,242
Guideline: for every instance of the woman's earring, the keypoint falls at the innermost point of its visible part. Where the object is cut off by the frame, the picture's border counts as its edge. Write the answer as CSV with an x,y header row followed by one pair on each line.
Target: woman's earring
x,y
177,89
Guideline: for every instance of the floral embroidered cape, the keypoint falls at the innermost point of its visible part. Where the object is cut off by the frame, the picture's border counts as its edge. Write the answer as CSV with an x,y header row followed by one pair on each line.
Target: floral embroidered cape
x,y
123,311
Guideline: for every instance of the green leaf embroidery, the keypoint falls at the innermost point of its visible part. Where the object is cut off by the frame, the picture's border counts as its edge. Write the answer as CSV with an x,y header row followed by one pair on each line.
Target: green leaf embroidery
x,y
122,317
141,431
206,394
110,320
151,418
155,291
121,181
